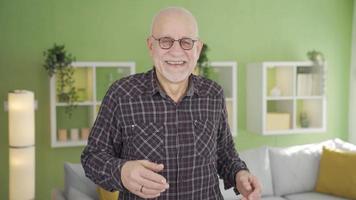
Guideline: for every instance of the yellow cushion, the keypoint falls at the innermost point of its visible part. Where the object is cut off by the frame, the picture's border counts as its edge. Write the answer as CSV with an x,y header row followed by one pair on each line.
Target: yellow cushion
x,y
106,195
337,173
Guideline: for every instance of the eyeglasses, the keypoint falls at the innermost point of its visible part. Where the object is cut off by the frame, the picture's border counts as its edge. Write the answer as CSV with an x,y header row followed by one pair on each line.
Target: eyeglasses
x,y
167,42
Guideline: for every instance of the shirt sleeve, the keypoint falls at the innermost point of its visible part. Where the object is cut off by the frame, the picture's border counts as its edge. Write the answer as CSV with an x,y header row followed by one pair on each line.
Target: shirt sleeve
x,y
229,162
100,159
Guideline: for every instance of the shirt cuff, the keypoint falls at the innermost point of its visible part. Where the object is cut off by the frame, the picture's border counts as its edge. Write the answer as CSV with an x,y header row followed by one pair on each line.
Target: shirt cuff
x,y
116,174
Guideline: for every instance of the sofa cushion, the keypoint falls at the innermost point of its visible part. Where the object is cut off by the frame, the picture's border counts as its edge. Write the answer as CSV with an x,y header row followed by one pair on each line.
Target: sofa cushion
x,y
337,173
312,196
258,162
75,178
295,169
340,144
74,194
107,195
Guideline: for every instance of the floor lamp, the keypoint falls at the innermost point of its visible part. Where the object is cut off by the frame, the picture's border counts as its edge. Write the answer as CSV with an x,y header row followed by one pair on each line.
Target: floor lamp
x,y
21,108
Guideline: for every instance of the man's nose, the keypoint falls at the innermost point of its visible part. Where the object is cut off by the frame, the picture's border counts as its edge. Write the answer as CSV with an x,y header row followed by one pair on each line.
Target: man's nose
x,y
176,47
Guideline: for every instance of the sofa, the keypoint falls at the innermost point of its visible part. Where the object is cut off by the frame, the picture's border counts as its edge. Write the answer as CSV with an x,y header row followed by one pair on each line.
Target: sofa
x,y
285,173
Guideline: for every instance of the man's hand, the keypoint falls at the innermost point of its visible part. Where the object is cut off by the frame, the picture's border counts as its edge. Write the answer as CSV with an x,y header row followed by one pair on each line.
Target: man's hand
x,y
248,185
140,178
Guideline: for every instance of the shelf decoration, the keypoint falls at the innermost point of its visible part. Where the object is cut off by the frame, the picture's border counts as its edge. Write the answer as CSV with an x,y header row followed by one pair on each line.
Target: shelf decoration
x,y
58,62
316,57
62,135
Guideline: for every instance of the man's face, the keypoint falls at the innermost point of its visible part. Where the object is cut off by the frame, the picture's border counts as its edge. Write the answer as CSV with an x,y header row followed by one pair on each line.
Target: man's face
x,y
174,64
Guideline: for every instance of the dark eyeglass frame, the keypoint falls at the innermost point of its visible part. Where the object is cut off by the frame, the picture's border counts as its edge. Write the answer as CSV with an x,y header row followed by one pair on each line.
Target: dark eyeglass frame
x,y
173,40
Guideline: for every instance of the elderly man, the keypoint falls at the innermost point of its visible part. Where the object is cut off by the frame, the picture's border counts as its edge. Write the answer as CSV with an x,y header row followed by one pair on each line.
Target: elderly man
x,y
164,133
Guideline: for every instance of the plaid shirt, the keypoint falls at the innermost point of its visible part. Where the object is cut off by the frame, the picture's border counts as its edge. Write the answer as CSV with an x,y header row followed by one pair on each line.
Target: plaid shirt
x,y
137,120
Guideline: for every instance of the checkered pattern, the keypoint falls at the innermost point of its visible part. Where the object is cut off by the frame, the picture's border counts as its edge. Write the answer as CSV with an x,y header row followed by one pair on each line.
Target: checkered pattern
x,y
137,120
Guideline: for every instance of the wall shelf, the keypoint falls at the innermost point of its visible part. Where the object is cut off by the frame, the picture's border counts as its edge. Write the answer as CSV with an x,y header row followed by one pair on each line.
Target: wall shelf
x,y
92,80
286,98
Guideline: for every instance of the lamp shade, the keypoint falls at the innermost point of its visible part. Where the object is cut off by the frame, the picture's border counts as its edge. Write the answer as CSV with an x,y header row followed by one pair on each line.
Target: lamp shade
x,y
21,104
22,173
21,107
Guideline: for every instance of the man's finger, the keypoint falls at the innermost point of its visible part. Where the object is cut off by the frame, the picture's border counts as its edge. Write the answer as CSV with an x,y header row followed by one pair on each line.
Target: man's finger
x,y
148,191
152,176
152,185
145,193
152,166
255,194
255,183
247,185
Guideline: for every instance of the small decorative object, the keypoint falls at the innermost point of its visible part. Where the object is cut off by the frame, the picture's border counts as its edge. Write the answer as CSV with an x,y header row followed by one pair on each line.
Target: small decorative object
x,y
62,135
203,66
85,133
74,134
277,121
275,92
316,57
304,121
58,62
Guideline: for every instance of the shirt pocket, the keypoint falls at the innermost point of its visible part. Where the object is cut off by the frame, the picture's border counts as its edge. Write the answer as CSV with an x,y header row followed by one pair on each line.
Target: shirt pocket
x,y
205,138
148,141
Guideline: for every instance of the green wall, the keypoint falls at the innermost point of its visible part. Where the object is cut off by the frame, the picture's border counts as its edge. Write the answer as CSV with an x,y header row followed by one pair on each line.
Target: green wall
x,y
241,30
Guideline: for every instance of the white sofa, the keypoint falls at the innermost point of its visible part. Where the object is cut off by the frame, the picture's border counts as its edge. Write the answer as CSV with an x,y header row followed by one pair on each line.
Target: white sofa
x,y
285,174
291,173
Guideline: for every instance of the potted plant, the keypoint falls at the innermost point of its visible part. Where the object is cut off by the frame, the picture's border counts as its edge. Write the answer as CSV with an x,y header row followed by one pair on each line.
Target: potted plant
x,y
58,62
203,62
316,57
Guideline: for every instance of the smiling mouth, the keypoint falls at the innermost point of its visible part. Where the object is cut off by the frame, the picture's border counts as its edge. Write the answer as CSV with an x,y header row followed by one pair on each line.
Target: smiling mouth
x,y
175,62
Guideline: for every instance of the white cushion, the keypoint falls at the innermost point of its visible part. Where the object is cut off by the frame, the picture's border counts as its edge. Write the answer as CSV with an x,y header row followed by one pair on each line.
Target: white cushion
x,y
340,144
258,162
312,196
295,169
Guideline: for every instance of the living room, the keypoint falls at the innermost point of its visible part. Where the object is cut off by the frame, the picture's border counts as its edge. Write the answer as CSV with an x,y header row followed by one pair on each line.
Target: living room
x,y
260,52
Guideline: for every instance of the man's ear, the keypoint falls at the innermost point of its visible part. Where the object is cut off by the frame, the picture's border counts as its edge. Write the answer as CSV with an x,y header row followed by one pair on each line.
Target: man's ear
x,y
149,44
199,47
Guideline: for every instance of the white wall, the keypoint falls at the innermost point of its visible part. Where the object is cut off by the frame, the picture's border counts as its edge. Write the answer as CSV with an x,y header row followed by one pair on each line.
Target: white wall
x,y
352,110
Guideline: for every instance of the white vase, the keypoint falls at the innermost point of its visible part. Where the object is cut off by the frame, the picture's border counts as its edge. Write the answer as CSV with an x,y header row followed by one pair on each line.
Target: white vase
x,y
74,134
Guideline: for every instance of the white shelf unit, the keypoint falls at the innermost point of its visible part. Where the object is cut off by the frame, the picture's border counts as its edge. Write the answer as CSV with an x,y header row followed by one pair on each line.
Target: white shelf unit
x,y
225,73
92,79
286,98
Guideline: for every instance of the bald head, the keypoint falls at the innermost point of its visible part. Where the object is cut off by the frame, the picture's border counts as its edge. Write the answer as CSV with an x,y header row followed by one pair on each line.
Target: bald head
x,y
178,16
173,62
